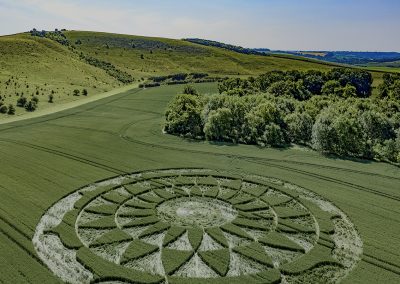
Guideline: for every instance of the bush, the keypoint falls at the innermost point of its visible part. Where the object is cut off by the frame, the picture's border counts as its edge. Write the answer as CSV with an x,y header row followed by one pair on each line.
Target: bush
x,y
299,127
31,106
76,92
11,110
183,116
190,90
51,98
35,99
3,109
84,92
21,102
272,136
219,125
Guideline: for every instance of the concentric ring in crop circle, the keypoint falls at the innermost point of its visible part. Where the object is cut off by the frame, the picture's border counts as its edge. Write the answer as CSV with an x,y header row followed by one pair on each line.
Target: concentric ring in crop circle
x,y
196,223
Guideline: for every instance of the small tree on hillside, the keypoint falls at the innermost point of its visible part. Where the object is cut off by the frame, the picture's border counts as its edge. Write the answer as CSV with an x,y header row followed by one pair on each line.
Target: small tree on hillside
x,y
76,92
31,106
84,92
11,110
51,98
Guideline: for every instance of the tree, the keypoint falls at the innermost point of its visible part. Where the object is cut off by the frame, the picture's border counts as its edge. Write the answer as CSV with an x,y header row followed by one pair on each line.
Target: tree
x,y
31,106
190,90
183,116
376,126
35,99
349,91
299,127
330,88
84,92
51,98
11,109
3,109
76,92
219,125
21,102
272,136
323,133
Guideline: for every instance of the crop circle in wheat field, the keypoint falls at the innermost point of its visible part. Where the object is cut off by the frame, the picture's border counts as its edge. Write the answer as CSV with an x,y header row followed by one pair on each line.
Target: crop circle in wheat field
x,y
176,225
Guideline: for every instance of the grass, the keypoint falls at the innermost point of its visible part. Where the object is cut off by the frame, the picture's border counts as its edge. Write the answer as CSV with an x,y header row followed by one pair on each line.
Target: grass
x,y
47,158
39,66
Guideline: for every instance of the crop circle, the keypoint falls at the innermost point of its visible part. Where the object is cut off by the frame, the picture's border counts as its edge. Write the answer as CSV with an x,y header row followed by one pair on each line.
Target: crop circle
x,y
170,226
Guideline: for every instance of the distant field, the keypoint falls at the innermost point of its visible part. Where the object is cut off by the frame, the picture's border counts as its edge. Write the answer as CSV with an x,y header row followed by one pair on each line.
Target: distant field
x,y
290,214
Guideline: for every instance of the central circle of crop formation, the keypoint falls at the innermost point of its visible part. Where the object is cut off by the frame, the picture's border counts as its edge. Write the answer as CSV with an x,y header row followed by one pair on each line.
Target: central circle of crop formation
x,y
185,225
199,212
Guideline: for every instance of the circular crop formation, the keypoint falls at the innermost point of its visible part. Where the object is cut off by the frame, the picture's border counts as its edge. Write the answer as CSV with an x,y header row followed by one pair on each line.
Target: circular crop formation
x,y
181,225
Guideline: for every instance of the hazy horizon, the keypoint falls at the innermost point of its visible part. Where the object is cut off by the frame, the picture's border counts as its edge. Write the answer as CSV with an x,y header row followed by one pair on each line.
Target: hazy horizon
x,y
336,25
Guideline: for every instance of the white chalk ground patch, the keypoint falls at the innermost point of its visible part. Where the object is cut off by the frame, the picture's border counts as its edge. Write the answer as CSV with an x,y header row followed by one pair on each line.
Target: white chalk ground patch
x,y
111,252
304,221
240,265
156,239
325,274
151,263
280,256
196,268
134,232
89,235
182,243
255,234
123,191
303,240
86,217
59,259
234,241
208,243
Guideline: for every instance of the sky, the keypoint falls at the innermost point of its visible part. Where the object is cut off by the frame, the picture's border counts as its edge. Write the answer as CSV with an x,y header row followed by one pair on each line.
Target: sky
x,y
356,25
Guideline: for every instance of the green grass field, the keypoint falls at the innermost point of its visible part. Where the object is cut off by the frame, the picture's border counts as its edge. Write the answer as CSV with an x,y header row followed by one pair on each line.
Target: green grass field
x,y
286,214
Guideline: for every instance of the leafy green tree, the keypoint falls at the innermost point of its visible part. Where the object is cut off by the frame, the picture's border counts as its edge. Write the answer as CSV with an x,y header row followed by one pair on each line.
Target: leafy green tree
x,y
299,127
11,109
349,91
219,125
84,92
190,90
35,99
76,92
376,126
3,109
330,88
21,102
51,98
31,106
272,136
324,136
183,116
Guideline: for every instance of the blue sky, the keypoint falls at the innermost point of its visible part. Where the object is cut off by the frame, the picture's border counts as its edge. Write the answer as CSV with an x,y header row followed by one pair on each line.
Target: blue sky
x,y
277,24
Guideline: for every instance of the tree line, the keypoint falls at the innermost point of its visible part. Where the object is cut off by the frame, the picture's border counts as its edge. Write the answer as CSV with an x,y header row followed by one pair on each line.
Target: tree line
x,y
330,112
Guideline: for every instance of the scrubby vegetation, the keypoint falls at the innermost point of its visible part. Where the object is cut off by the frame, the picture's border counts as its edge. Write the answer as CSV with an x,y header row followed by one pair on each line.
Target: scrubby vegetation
x,y
331,112
179,78
231,47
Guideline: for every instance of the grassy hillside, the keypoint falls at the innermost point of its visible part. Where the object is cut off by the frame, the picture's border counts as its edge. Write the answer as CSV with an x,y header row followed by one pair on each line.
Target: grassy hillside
x,y
122,134
31,65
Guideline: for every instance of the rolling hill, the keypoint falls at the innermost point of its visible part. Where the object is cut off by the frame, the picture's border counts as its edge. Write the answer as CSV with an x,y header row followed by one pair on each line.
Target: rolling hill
x,y
34,65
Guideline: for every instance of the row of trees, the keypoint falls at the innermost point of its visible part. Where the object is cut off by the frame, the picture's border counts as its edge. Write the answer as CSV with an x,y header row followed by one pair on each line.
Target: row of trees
x,y
342,82
357,127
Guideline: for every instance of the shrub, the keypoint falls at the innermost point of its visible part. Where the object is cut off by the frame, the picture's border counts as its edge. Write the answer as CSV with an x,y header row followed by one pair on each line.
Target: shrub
x,y
51,98
272,136
219,125
76,92
21,102
190,90
183,116
35,99
31,106
84,92
3,109
11,110
299,127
